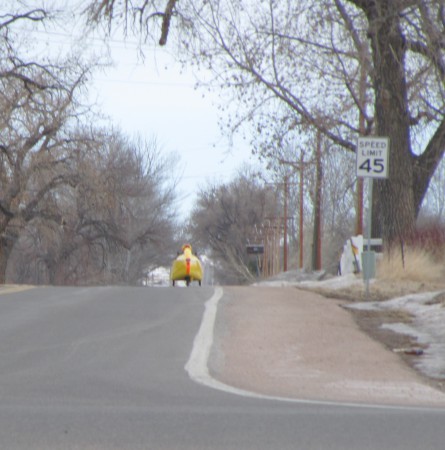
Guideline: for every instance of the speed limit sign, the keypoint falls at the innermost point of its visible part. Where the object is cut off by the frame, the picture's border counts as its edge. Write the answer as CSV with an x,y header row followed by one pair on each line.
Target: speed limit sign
x,y
372,157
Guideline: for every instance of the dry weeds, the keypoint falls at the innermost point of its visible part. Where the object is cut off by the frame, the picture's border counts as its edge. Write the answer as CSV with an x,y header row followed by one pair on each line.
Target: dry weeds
x,y
412,265
416,272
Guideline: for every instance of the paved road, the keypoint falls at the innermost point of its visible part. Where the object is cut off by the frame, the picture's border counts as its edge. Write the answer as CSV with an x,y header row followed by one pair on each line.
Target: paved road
x,y
103,368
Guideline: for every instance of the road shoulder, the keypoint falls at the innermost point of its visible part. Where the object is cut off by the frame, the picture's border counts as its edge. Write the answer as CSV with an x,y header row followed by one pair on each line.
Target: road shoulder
x,y
285,342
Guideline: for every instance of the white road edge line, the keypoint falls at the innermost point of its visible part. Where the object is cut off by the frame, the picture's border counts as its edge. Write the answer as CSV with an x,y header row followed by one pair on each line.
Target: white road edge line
x,y
198,371
10,289
197,365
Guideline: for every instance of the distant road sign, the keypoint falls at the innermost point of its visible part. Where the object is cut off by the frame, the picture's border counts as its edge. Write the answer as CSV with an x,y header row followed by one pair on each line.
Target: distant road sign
x,y
372,157
255,249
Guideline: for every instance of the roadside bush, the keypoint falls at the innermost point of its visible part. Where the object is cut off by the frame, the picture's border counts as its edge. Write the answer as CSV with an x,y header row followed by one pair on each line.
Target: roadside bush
x,y
430,238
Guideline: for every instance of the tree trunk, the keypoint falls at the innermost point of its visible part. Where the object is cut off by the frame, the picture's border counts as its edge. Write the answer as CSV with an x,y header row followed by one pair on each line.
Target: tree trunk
x,y
395,194
6,245
3,264
426,164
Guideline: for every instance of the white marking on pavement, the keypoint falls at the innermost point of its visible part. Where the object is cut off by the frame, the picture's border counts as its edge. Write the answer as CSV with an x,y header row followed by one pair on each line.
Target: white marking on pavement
x,y
9,289
197,365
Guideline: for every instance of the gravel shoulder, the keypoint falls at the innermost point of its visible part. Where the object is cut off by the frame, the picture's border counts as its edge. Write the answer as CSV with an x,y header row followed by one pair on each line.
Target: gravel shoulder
x,y
293,343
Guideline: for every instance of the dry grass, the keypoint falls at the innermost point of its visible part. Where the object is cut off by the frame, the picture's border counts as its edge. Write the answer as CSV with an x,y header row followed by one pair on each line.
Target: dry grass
x,y
379,290
419,273
415,265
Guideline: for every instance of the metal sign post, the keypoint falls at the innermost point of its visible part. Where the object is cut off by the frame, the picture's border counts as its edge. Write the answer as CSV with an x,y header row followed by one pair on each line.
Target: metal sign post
x,y
372,162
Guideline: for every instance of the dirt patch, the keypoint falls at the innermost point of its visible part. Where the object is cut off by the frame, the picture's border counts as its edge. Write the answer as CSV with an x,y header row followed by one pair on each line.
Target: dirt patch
x,y
285,342
371,323
379,290
407,347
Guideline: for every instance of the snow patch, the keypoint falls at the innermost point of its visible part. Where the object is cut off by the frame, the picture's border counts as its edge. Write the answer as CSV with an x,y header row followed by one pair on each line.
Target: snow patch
x,y
426,327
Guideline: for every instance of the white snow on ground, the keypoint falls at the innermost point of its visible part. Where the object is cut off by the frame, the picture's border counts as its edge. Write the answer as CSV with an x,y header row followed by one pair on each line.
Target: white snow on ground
x,y
158,277
310,279
427,327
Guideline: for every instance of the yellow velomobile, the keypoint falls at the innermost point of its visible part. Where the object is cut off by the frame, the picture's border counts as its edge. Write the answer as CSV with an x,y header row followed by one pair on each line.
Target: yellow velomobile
x,y
186,267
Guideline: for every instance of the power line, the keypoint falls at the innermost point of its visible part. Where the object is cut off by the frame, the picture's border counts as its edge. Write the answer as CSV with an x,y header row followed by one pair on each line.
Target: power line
x,y
146,83
92,40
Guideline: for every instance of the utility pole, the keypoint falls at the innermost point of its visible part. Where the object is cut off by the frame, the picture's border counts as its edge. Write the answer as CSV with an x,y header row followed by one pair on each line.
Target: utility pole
x,y
285,225
316,246
281,224
301,231
300,166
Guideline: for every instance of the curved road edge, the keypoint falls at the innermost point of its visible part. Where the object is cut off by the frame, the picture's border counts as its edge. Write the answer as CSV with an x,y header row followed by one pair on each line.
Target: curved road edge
x,y
198,371
11,288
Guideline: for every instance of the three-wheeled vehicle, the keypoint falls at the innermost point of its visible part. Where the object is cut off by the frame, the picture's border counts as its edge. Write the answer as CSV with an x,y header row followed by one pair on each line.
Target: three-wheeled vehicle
x,y
186,267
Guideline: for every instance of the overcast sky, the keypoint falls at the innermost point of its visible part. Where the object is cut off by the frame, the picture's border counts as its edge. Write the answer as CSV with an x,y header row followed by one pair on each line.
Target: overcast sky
x,y
154,99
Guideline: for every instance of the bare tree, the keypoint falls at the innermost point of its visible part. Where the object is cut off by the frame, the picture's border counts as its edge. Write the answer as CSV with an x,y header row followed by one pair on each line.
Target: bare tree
x,y
141,184
324,64
309,57
434,205
77,204
224,221
151,18
114,223
38,105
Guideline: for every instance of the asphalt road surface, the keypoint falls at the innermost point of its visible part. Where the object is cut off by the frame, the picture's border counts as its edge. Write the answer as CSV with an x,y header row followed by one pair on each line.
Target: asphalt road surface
x,y
103,368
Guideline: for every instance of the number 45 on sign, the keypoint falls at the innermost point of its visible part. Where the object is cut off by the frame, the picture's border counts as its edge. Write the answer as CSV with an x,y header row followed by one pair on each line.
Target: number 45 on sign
x,y
372,157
